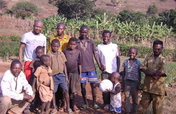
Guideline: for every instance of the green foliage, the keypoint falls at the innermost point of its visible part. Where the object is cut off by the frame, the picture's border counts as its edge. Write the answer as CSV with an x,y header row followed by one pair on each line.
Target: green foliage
x,y
75,8
24,9
152,10
3,5
171,68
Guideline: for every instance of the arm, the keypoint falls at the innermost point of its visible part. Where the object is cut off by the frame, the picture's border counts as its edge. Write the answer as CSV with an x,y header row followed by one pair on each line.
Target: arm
x,y
123,78
80,71
34,83
20,51
139,83
65,72
97,59
118,59
117,89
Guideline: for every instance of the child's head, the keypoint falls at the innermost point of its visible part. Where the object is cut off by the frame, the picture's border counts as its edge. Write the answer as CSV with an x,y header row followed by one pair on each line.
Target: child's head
x,y
45,59
55,44
39,51
157,47
15,67
72,43
132,53
60,29
84,31
115,76
106,35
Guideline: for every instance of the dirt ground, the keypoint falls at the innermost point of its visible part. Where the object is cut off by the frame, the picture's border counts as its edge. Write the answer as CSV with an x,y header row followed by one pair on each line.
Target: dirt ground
x,y
169,104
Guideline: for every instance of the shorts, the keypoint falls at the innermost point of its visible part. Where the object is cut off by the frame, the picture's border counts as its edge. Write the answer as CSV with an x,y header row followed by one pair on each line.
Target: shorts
x,y
59,80
92,77
116,109
28,70
74,82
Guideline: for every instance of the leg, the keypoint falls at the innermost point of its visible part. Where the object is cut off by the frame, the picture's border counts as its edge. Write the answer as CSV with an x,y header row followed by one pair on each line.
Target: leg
x,y
83,91
48,107
144,103
54,101
66,98
157,104
134,94
93,87
127,99
5,103
43,107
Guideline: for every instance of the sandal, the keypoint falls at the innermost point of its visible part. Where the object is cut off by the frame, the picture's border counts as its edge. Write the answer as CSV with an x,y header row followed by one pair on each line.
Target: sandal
x,y
96,106
54,111
61,109
75,109
83,107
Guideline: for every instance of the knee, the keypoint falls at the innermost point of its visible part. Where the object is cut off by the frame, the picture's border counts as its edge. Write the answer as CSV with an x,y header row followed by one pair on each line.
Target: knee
x,y
65,92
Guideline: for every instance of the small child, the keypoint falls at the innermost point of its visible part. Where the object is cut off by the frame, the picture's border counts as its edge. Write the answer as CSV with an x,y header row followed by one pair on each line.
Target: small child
x,y
115,94
73,64
60,74
45,84
132,79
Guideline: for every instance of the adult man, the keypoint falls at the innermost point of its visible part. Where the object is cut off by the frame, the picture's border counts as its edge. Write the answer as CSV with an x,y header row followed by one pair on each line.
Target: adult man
x,y
30,41
15,92
61,36
154,67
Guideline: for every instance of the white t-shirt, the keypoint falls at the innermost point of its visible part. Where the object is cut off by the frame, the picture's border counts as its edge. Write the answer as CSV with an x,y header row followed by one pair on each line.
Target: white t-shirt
x,y
32,41
107,54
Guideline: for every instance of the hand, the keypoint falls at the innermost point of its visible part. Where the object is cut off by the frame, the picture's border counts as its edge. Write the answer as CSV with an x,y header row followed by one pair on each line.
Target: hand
x,y
67,80
50,74
80,77
28,97
102,68
108,90
156,77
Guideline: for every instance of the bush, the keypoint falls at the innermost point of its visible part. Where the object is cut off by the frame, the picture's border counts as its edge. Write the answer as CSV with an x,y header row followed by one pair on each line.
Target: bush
x,y
152,10
24,9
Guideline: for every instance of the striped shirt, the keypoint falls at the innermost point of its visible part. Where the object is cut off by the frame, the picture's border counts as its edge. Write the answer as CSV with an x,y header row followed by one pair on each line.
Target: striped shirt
x,y
132,72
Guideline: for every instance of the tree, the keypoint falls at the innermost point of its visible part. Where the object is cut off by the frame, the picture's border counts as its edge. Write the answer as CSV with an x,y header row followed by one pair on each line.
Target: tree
x,y
74,8
152,10
2,5
24,9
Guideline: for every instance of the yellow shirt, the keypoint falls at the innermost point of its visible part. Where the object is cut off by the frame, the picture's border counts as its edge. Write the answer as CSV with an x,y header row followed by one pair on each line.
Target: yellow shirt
x,y
63,42
152,85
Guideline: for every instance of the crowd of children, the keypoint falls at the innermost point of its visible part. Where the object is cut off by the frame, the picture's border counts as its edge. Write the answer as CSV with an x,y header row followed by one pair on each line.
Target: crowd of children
x,y
68,67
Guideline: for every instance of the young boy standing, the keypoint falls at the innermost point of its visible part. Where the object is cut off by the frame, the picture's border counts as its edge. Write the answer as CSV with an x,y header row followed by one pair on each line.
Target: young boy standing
x,y
88,51
132,79
154,67
110,61
73,64
59,69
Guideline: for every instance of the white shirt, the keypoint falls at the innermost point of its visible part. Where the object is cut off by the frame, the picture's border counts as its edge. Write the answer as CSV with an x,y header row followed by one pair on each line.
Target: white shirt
x,y
32,41
108,56
13,87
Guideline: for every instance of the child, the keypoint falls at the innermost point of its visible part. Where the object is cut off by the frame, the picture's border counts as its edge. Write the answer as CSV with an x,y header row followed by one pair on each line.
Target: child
x,y
88,51
115,94
132,79
59,69
108,53
73,64
45,85
154,68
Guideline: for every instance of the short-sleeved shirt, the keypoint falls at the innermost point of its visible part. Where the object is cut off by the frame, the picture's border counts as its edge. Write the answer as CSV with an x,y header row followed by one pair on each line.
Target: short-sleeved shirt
x,y
63,41
32,41
108,56
73,60
154,65
43,78
132,72
57,62
87,49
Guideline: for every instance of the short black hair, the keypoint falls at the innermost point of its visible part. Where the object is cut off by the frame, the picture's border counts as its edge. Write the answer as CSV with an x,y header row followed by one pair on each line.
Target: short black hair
x,y
55,41
106,31
44,57
73,39
14,62
158,42
84,27
134,49
39,48
36,64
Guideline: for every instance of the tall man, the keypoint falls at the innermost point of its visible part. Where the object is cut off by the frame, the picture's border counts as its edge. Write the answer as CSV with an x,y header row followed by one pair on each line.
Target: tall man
x,y
30,41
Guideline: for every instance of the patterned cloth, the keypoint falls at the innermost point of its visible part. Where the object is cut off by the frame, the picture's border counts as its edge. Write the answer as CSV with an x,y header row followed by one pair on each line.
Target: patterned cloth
x,y
63,42
132,72
115,100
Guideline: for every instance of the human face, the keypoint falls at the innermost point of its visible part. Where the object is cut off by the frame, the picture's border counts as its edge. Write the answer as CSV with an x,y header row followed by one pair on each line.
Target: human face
x,y
132,53
84,33
47,62
39,53
72,45
16,69
37,28
157,49
55,47
106,38
60,30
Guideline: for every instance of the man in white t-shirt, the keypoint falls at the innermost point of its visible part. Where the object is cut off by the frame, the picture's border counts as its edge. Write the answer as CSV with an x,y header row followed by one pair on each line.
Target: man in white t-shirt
x,y
30,41
110,61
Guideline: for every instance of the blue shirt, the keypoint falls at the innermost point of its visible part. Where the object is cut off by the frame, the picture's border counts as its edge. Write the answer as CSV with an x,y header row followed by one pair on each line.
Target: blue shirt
x,y
131,72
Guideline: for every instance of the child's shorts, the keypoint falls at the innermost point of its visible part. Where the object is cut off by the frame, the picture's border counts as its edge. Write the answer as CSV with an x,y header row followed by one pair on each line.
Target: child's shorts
x,y
92,77
60,80
74,82
116,109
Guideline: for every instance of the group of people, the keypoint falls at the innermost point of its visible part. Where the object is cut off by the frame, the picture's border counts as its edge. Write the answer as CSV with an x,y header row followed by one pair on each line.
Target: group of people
x,y
66,67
